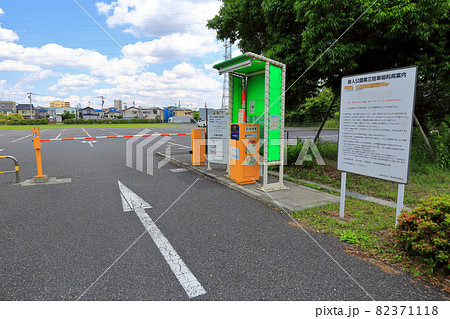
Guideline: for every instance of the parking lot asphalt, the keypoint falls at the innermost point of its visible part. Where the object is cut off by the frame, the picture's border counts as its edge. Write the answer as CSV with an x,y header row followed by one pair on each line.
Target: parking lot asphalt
x,y
77,240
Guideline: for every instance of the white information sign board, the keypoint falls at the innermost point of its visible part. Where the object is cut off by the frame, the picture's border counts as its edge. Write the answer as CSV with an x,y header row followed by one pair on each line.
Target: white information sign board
x,y
375,123
218,127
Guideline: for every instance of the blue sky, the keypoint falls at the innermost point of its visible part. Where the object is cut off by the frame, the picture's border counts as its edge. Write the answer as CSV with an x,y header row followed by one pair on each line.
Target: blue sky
x,y
164,52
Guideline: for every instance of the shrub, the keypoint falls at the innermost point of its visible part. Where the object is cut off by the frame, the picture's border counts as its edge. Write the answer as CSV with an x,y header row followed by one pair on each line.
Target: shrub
x,y
440,141
15,116
424,232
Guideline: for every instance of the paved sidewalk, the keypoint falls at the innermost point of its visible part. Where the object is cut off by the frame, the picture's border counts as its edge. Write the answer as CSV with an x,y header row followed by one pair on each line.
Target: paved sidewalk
x,y
295,198
348,193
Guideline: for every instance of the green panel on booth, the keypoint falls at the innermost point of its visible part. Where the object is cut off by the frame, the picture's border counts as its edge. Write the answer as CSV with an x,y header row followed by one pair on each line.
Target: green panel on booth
x,y
237,97
255,101
274,113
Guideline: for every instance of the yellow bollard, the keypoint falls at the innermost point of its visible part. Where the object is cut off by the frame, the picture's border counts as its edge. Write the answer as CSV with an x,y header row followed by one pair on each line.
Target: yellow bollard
x,y
40,177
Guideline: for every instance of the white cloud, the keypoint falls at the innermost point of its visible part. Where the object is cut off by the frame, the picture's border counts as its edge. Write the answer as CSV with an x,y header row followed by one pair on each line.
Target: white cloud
x,y
73,83
209,67
10,65
171,48
159,17
41,75
236,52
6,34
183,82
56,56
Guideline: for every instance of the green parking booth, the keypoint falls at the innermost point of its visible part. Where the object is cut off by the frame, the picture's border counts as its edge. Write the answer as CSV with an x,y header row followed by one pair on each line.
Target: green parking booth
x,y
257,95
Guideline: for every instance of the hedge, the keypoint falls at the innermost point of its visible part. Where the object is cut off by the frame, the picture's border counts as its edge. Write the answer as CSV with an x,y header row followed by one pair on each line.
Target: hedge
x,y
110,121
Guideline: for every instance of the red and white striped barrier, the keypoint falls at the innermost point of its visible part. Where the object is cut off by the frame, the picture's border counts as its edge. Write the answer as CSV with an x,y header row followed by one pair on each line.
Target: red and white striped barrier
x,y
113,136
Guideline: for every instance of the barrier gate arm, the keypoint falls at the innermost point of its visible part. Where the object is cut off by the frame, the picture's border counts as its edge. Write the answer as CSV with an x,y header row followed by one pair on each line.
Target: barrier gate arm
x,y
16,166
110,137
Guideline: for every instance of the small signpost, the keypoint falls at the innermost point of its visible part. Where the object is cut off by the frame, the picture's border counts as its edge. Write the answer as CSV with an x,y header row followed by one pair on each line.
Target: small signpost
x,y
375,127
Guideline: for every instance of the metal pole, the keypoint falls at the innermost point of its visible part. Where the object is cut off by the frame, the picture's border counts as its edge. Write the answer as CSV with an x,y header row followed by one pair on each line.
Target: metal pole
x,y
343,182
31,107
282,119
400,198
266,123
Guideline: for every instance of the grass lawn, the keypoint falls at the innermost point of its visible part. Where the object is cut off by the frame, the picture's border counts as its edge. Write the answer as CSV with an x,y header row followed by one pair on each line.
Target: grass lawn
x,y
428,182
51,126
367,226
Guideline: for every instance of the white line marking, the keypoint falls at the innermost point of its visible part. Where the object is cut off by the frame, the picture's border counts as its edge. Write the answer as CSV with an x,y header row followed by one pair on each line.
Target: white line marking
x,y
178,170
86,132
21,138
131,201
181,145
1,149
91,143
58,135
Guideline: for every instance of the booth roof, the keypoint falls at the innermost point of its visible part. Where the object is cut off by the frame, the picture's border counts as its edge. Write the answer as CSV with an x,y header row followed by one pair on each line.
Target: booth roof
x,y
257,65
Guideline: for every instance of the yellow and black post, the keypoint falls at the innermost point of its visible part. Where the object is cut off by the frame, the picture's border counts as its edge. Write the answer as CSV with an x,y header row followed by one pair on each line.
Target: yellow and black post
x,y
40,177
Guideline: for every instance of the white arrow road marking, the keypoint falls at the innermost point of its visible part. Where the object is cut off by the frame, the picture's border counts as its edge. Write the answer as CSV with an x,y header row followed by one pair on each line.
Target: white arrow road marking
x,y
1,149
91,143
132,202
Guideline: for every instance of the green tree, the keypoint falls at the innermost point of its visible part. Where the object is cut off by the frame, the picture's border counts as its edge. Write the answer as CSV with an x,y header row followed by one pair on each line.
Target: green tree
x,y
271,28
67,115
391,34
3,116
314,109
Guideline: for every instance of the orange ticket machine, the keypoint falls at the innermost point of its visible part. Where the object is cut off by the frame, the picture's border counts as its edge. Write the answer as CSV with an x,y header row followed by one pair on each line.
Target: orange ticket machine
x,y
244,153
198,146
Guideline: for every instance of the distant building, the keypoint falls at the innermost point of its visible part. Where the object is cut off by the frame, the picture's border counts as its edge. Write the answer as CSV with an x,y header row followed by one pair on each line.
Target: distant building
x,y
59,104
88,113
24,110
57,112
118,106
168,112
152,113
112,113
41,113
7,107
132,113
182,113
100,113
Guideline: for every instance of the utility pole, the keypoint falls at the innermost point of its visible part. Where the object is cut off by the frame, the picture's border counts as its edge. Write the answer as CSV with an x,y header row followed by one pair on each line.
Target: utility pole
x,y
103,102
31,107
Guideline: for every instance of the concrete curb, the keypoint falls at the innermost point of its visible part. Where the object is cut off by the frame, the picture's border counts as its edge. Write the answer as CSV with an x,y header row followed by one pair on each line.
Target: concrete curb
x,y
222,180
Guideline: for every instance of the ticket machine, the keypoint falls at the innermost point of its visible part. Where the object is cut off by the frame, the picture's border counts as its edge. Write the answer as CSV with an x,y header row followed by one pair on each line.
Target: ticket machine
x,y
244,153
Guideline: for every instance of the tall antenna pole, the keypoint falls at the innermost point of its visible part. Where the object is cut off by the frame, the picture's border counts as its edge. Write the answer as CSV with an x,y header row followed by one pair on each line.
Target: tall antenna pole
x,y
227,55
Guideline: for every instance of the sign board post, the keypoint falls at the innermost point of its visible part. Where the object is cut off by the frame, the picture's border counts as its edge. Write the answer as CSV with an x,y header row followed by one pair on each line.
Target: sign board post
x,y
218,127
375,125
